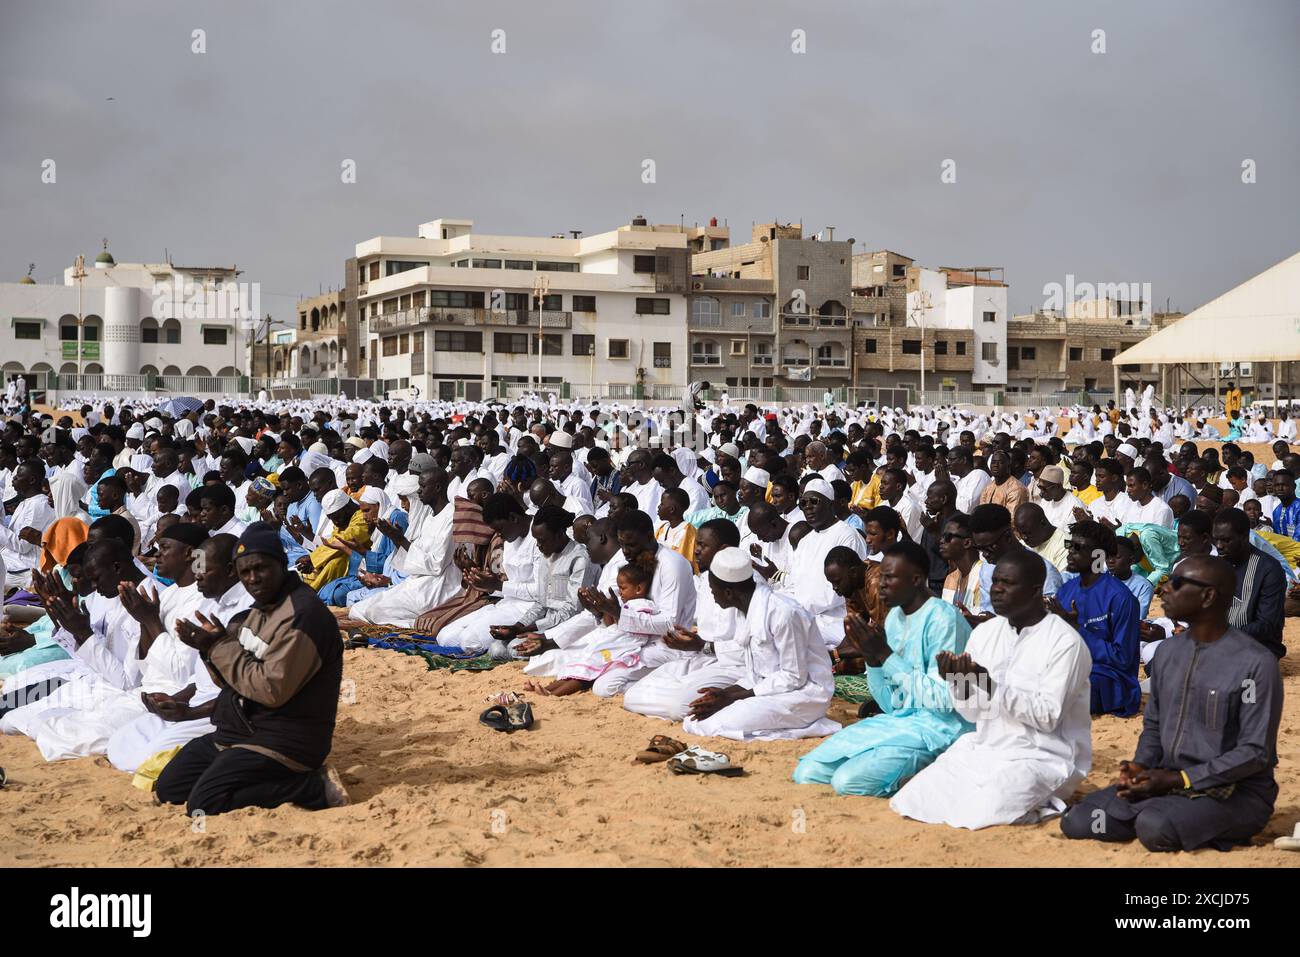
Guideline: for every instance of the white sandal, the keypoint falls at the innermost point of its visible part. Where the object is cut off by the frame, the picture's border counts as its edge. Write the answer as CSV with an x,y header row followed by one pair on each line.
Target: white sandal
x,y
696,760
1288,842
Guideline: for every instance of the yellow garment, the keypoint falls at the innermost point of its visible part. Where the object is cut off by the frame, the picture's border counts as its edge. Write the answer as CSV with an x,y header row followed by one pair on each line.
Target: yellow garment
x,y
1088,495
680,539
146,775
868,495
329,563
1285,544
1232,402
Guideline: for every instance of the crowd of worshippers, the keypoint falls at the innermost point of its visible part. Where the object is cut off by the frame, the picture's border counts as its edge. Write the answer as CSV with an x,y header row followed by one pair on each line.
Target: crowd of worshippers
x,y
178,592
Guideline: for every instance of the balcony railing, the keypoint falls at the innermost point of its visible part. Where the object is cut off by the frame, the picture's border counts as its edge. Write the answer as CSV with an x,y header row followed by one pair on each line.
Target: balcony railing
x,y
732,323
762,360
663,362
703,359
832,363
468,316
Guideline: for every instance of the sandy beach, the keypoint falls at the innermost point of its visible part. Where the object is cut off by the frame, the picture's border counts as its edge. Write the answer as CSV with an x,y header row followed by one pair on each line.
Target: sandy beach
x,y
432,786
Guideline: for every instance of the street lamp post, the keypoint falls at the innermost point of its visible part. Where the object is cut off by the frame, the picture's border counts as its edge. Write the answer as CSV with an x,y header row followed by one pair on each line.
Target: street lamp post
x,y
79,274
918,314
541,285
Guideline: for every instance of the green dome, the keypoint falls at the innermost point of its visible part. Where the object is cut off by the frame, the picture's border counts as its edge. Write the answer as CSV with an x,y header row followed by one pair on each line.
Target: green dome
x,y
105,258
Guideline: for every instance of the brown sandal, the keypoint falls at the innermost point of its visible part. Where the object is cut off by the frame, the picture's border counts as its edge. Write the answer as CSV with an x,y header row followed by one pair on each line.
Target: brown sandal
x,y
660,748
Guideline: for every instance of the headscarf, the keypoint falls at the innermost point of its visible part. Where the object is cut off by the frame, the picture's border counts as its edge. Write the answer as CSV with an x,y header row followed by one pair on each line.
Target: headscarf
x,y
59,540
67,489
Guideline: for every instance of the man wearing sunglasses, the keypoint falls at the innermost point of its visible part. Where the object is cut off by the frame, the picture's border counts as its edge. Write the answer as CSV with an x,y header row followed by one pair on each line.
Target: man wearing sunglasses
x,y
1203,772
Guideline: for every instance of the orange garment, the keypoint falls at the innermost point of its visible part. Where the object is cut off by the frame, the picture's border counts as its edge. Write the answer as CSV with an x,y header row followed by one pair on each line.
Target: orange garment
x,y
59,540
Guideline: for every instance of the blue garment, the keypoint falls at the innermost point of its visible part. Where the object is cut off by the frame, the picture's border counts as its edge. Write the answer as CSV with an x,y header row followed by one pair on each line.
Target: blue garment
x,y
45,649
1051,584
307,509
1286,519
876,755
1142,590
1177,485
92,497
855,522
1108,622
612,483
377,562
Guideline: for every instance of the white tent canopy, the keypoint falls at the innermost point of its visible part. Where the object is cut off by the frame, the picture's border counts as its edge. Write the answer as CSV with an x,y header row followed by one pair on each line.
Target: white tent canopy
x,y
1258,321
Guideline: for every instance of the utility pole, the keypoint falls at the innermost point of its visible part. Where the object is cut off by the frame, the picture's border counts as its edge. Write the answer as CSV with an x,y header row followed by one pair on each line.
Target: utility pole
x,y
79,274
541,285
918,315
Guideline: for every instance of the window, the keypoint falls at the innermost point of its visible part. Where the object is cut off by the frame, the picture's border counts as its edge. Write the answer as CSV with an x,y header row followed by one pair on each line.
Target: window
x,y
1089,384
643,264
804,272
552,344
390,345
457,341
584,345
485,263
1076,354
397,265
871,346
1029,352
705,352
654,307
173,335
990,317
557,267
417,343
511,342
455,299
762,354
584,303
1107,354
32,330
761,310
552,303
705,311
390,306
519,264
900,271
67,333
941,347
374,269
737,310
663,355
214,337
737,347
911,347
961,348
516,301
989,352
618,347
403,343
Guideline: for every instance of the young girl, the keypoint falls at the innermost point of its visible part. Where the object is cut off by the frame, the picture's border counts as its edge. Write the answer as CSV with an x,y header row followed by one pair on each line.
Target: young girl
x,y
617,647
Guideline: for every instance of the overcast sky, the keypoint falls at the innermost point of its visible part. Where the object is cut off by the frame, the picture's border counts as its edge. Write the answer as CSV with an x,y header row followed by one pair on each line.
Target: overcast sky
x,y
1122,166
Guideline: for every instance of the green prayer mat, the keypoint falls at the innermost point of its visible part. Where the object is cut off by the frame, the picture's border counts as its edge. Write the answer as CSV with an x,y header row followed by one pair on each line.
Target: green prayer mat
x,y
852,688
483,662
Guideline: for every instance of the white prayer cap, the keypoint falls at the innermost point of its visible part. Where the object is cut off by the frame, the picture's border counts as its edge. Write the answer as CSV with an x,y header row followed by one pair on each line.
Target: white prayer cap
x,y
818,487
1052,473
245,443
406,484
731,565
79,434
371,495
561,439
141,463
730,448
136,431
379,449
320,448
1128,450
356,441
333,500
184,428
270,435
362,456
154,423
709,456
757,476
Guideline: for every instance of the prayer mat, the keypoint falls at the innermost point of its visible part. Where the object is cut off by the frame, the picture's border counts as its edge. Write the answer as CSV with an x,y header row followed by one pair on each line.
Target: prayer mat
x,y
852,688
435,656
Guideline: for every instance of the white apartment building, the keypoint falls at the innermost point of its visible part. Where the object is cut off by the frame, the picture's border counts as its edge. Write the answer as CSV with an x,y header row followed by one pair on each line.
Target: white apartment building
x,y
455,314
140,321
973,300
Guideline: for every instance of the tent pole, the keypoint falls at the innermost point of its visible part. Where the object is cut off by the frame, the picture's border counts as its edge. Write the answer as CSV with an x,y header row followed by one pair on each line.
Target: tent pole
x,y
1216,386
1277,387
1164,398
1115,369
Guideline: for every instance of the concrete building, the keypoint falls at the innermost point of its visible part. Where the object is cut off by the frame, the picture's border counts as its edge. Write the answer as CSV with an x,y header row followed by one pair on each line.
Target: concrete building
x,y
1050,354
773,311
456,314
140,321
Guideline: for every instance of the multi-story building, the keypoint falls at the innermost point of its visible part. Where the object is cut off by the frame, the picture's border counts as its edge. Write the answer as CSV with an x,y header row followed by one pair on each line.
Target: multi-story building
x,y
454,313
949,322
139,321
320,338
772,312
1050,354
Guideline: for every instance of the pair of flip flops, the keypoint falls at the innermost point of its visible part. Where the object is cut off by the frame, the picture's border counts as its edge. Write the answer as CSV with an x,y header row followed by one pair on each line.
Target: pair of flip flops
x,y
1288,842
509,712
696,760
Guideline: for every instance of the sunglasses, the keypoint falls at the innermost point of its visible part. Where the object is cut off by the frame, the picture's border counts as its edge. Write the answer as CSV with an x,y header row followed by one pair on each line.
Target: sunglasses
x,y
1178,581
949,536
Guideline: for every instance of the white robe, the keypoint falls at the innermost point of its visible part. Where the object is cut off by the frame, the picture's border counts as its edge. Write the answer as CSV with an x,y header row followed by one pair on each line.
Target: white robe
x,y
787,668
518,564
432,576
806,581
1032,742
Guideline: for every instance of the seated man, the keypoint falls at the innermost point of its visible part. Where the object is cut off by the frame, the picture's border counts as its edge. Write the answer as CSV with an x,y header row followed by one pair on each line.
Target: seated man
x,y
279,668
876,755
1229,687
1102,609
787,683
1023,681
